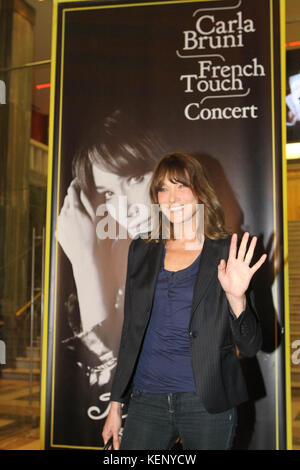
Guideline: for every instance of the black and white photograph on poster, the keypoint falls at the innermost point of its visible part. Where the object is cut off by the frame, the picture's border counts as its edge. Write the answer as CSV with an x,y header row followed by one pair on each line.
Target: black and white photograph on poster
x,y
133,82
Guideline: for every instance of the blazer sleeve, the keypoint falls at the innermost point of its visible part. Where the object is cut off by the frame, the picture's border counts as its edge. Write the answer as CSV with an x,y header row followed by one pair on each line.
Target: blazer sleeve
x,y
114,396
246,328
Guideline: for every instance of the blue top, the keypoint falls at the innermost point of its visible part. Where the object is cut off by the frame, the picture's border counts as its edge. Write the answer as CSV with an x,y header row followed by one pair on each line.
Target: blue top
x,y
165,364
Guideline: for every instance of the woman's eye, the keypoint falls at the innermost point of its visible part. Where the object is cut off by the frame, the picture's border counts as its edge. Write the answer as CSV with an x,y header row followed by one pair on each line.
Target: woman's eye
x,y
135,179
106,194
161,190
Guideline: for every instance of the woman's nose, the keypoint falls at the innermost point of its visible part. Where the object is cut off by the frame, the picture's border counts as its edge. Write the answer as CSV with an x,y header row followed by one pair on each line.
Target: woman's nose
x,y
131,201
172,195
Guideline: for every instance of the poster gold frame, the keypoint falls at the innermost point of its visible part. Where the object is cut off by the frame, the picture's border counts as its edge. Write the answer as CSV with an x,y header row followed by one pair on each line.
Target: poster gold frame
x,y
56,4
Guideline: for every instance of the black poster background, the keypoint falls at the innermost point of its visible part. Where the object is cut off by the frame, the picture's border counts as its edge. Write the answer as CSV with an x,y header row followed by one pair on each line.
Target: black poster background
x,y
125,58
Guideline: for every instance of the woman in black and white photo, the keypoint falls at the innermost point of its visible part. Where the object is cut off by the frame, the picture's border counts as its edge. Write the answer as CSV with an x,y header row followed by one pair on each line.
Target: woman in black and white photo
x,y
113,166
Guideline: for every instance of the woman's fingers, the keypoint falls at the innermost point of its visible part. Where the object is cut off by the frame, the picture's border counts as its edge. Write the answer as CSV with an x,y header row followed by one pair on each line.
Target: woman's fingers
x,y
243,254
73,196
257,265
243,246
221,270
87,205
222,265
116,441
232,248
250,251
76,199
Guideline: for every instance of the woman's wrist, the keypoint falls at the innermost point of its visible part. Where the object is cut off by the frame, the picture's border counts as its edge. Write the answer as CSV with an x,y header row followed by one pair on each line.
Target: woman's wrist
x,y
237,304
116,407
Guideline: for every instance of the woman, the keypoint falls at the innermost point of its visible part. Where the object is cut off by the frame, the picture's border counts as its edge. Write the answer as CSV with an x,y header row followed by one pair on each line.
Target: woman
x,y
186,309
114,163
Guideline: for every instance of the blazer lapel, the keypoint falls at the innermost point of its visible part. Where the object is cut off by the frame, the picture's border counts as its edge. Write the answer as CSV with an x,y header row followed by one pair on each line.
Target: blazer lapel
x,y
143,280
208,267
154,261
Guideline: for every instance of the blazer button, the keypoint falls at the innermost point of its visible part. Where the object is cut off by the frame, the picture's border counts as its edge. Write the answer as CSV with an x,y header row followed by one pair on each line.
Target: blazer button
x,y
193,334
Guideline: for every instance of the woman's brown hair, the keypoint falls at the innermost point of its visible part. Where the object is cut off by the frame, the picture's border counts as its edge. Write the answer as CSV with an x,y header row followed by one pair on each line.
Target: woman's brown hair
x,y
184,168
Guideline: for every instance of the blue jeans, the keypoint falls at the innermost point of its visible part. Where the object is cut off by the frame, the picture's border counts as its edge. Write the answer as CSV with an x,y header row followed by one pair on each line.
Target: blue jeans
x,y
156,420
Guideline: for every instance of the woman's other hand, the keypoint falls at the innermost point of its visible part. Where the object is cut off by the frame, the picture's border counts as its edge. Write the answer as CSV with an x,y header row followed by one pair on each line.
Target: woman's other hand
x,y
113,425
76,225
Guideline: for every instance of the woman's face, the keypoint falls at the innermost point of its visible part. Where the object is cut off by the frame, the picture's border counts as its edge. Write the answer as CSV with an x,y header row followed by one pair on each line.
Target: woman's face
x,y
177,202
132,210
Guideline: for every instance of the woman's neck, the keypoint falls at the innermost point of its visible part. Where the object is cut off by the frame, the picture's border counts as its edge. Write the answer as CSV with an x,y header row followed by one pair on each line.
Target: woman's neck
x,y
186,244
187,235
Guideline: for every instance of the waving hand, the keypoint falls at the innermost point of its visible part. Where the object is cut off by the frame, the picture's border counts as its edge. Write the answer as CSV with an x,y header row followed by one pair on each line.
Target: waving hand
x,y
236,274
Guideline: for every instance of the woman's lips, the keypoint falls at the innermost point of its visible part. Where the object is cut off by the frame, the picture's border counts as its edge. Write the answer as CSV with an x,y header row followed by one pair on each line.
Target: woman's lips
x,y
176,208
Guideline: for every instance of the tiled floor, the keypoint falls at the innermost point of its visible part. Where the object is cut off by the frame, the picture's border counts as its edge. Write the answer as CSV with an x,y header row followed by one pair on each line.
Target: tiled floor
x,y
19,421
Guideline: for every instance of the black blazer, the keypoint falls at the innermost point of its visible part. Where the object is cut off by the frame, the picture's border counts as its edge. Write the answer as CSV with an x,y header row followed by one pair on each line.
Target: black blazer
x,y
214,330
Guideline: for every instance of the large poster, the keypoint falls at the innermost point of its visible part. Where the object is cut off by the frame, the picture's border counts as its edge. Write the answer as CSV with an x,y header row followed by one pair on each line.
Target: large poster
x,y
130,82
